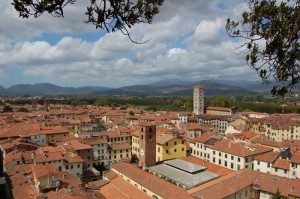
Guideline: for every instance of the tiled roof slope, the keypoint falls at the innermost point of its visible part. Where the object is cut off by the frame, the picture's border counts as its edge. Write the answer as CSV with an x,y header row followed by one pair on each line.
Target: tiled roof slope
x,y
160,187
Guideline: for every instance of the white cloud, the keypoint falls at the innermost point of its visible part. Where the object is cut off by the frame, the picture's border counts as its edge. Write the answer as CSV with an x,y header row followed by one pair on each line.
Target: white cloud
x,y
187,41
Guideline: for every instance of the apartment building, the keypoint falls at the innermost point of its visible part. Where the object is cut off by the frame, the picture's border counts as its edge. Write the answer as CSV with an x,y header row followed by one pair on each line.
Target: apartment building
x,y
226,153
213,110
83,150
169,146
219,121
100,149
200,146
61,160
274,163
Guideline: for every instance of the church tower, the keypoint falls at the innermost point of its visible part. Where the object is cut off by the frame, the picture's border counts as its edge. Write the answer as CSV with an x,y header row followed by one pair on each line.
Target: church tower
x,y
147,142
198,100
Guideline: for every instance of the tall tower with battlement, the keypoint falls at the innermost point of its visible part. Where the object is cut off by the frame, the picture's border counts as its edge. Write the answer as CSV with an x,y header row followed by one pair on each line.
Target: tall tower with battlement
x,y
198,100
147,142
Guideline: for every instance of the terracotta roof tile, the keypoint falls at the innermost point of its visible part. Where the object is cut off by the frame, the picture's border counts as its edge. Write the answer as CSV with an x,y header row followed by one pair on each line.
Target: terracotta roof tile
x,y
268,157
119,188
240,148
160,187
296,157
282,164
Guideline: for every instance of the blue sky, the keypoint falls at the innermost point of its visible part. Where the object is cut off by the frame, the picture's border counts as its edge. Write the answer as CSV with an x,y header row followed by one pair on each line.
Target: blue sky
x,y
187,42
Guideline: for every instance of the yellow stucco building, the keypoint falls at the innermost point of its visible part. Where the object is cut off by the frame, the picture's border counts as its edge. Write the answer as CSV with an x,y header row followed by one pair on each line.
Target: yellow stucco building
x,y
168,146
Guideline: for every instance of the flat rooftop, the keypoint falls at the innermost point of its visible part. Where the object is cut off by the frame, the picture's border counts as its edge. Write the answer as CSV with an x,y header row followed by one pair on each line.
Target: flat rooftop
x,y
184,165
183,174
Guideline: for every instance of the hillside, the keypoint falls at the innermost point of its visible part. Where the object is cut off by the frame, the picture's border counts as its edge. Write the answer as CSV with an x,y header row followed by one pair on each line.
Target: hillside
x,y
47,89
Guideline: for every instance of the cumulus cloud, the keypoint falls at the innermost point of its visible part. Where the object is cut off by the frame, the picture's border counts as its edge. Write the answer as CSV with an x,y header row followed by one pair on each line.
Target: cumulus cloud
x,y
186,41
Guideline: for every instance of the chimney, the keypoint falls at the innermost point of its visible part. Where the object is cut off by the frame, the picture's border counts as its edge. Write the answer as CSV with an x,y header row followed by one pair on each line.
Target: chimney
x,y
256,191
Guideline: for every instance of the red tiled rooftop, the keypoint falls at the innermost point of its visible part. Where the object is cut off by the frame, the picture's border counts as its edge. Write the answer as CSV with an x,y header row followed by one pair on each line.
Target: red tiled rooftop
x,y
160,187
121,189
240,148
296,157
268,157
282,164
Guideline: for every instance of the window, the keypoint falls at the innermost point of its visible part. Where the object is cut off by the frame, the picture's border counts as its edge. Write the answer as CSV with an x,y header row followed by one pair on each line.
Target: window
x,y
232,157
238,167
78,165
182,149
239,159
231,166
71,166
175,150
225,163
175,143
219,161
258,162
167,144
167,151
150,136
214,160
246,159
220,154
158,149
225,155
182,142
214,152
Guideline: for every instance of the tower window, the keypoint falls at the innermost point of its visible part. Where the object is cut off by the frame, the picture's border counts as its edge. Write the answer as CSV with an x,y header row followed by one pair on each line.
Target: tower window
x,y
150,129
150,136
142,137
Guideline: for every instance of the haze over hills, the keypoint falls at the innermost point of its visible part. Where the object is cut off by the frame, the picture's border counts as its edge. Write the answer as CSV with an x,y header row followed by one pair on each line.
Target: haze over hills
x,y
173,87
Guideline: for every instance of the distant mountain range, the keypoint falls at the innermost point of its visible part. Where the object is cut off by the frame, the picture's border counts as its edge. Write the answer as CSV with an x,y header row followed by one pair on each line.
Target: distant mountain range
x,y
172,87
